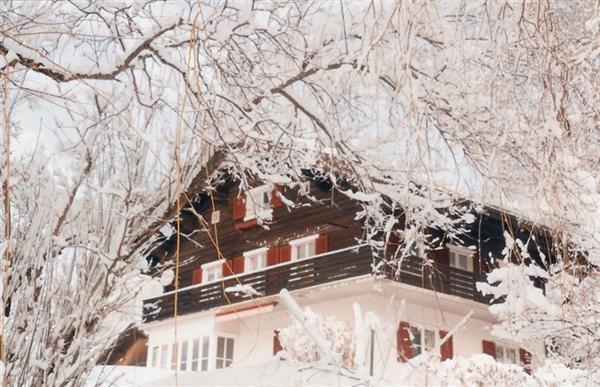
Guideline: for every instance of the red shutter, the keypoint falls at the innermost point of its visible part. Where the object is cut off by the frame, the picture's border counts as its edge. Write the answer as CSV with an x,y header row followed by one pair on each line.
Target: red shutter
x,y
273,256
239,207
228,267
525,358
489,348
403,343
275,198
197,276
238,265
447,349
276,343
285,253
322,244
441,255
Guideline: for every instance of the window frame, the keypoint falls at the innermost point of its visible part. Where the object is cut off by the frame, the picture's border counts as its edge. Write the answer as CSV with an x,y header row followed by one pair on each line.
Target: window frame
x,y
422,334
208,268
253,211
304,188
503,348
253,255
305,241
202,352
456,251
225,360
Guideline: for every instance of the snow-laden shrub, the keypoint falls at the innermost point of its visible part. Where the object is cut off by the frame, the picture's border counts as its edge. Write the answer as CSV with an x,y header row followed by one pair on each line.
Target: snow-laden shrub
x,y
301,347
483,370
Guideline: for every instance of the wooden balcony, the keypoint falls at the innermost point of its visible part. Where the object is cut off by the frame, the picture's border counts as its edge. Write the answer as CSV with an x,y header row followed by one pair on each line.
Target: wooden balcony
x,y
321,269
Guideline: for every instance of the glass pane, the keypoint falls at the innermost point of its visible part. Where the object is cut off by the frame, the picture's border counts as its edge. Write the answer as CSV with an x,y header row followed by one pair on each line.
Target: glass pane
x,y
204,347
310,249
511,356
221,347
174,356
163,356
499,353
429,340
229,352
154,357
301,251
204,364
184,350
463,262
416,340
195,352
416,335
219,364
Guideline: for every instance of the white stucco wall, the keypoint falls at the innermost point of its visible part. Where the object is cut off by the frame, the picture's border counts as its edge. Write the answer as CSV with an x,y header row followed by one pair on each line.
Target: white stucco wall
x,y
253,329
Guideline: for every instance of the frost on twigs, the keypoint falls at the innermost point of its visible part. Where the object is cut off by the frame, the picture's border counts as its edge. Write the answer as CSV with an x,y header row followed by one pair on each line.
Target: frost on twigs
x,y
114,110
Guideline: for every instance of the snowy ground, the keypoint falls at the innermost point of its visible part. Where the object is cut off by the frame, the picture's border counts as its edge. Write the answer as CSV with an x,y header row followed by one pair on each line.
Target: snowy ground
x,y
478,370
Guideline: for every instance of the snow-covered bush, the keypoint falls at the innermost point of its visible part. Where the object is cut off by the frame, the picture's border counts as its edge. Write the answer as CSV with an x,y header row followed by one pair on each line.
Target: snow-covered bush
x,y
301,347
483,370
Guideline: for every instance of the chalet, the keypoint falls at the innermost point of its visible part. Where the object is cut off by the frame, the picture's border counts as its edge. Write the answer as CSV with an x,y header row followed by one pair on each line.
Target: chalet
x,y
237,252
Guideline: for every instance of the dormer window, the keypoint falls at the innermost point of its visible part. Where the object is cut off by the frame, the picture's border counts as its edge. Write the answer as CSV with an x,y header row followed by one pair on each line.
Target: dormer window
x,y
212,271
258,203
460,257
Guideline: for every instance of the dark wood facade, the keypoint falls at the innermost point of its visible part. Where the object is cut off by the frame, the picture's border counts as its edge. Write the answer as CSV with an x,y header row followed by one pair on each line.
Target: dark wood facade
x,y
332,217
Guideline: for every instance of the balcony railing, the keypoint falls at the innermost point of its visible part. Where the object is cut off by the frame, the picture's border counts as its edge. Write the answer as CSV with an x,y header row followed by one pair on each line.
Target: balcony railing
x,y
321,269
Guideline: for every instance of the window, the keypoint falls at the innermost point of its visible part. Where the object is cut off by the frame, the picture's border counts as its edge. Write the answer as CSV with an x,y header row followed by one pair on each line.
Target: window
x,y
212,271
506,355
174,350
155,357
184,355
258,202
461,258
255,259
304,188
304,248
163,356
224,352
195,355
422,339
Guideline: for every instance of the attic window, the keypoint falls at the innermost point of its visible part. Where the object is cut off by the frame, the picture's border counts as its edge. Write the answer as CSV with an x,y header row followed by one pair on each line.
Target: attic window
x,y
460,257
255,260
304,188
212,271
304,247
258,203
